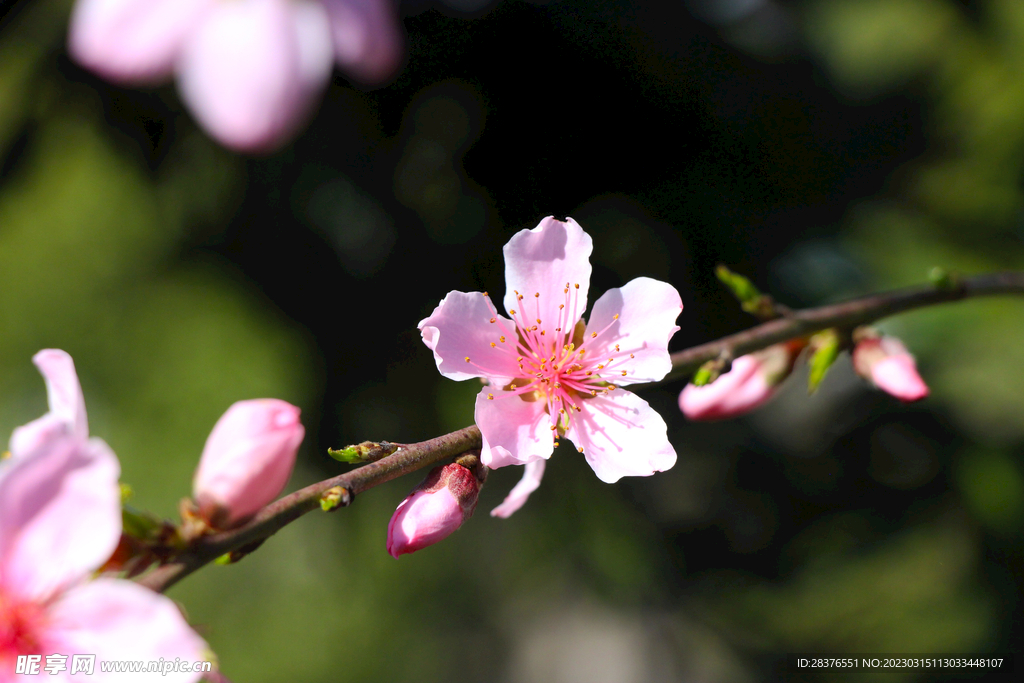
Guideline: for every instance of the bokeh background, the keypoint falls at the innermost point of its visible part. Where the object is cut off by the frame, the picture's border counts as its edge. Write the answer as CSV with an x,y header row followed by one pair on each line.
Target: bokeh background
x,y
824,148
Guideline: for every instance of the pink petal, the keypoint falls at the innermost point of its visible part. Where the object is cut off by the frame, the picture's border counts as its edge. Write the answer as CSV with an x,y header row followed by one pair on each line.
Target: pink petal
x,y
514,431
247,460
253,70
60,516
368,41
897,375
133,41
542,261
460,327
67,405
120,620
423,519
621,435
517,497
647,311
734,393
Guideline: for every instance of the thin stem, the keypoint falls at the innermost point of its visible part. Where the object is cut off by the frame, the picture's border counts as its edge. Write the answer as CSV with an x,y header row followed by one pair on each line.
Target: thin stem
x,y
273,517
848,314
794,324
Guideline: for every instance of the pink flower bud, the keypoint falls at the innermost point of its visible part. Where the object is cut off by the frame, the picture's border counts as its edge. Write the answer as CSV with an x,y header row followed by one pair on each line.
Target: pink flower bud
x,y
434,509
750,383
247,460
889,366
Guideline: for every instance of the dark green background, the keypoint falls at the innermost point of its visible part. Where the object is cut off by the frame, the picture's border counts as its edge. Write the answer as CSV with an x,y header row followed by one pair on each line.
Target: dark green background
x,y
824,149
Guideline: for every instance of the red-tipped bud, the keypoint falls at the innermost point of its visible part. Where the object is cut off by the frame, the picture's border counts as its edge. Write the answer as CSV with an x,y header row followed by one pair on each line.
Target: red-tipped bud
x,y
247,460
434,509
751,382
887,364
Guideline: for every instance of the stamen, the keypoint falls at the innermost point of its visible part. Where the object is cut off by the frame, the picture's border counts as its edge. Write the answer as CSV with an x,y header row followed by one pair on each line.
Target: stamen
x,y
493,345
494,320
623,373
502,338
467,359
490,397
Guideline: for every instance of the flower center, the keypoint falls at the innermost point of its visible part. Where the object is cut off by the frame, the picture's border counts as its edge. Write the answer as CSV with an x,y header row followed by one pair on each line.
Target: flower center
x,y
21,624
560,362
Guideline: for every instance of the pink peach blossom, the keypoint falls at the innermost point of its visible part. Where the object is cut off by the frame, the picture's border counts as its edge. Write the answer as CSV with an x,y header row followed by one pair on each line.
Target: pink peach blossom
x,y
250,70
886,362
550,373
434,509
247,460
60,518
67,405
734,393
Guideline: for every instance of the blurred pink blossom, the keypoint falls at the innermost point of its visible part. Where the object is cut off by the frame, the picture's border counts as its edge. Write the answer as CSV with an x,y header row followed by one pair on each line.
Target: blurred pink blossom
x,y
434,509
67,405
552,374
886,362
247,460
251,71
60,518
750,382
734,393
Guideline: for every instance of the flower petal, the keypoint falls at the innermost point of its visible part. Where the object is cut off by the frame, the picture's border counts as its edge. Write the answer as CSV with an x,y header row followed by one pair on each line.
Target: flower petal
x,y
621,435
516,498
132,41
734,393
253,70
514,431
60,515
647,311
897,375
120,620
460,327
541,261
67,405
368,42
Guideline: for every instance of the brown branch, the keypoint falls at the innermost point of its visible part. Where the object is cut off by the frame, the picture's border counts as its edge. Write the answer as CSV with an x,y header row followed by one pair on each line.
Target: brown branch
x,y
844,315
415,456
273,517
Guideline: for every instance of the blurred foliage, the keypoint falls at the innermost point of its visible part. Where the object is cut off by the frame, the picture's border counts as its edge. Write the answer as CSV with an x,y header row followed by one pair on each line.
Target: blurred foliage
x,y
824,148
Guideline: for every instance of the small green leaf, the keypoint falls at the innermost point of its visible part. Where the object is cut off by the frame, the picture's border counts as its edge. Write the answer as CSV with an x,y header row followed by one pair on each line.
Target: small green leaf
x,y
367,451
826,346
334,497
138,523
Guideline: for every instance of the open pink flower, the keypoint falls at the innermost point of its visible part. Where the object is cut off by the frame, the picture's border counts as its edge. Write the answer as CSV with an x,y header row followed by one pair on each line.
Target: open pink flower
x,y
886,362
552,374
60,518
250,70
247,460
434,510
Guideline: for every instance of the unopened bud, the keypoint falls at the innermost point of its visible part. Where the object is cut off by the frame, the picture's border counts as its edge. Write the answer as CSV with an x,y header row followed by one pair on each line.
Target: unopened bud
x,y
247,460
887,364
434,509
749,383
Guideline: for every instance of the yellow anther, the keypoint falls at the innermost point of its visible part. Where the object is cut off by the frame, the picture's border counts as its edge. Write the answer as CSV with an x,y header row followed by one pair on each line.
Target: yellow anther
x,y
485,293
519,359
579,448
558,385
556,444
561,306
490,397
537,295
578,409
577,285
615,317
533,329
512,312
631,355
493,345
542,332
593,334
623,373
593,392
467,359
600,367
589,373
494,320
553,427
616,347
561,411
520,298
502,338
538,321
